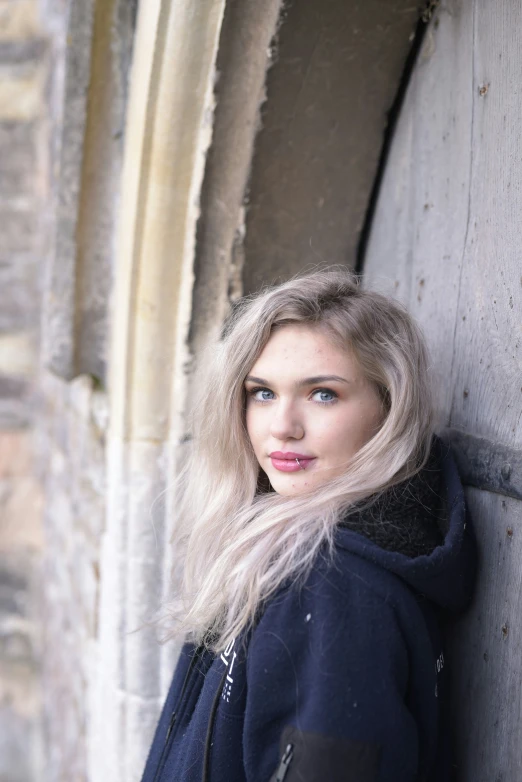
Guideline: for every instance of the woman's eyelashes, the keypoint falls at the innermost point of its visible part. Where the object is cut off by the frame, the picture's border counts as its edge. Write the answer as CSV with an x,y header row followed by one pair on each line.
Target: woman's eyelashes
x,y
328,392
257,394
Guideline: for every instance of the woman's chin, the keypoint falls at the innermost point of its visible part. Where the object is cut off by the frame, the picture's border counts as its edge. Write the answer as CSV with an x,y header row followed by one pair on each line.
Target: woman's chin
x,y
291,484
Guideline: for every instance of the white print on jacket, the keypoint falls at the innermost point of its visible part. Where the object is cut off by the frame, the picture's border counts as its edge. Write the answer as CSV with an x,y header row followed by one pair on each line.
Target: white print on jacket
x,y
229,661
439,665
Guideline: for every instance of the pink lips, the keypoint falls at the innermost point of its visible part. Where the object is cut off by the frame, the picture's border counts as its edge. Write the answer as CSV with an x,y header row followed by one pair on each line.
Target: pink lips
x,y
287,461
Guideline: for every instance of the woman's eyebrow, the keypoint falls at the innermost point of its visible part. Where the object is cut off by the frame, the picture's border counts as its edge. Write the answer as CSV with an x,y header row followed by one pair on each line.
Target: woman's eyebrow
x,y
307,381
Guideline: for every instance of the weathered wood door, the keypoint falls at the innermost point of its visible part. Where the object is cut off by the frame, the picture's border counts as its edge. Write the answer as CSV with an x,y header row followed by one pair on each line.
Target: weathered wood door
x,y
446,240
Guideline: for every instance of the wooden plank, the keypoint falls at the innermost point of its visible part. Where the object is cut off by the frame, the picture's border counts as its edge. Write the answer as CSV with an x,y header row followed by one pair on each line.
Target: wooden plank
x,y
418,240
487,694
446,241
486,464
448,246
487,368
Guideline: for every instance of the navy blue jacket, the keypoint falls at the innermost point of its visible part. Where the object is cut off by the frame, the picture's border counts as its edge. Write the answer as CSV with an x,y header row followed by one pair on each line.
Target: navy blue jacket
x,y
342,680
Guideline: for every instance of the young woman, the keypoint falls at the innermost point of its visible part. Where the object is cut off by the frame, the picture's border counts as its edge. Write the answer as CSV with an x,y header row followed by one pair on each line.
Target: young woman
x,y
324,537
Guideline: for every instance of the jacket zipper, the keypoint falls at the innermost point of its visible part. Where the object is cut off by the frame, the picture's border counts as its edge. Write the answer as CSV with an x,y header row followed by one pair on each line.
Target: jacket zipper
x,y
284,765
210,725
169,735
165,750
171,725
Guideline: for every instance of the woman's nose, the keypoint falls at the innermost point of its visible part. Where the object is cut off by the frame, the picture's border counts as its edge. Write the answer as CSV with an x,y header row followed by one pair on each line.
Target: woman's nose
x,y
286,423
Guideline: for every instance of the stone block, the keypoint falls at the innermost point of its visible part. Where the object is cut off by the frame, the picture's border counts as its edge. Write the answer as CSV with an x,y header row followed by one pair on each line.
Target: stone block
x,y
14,415
21,504
13,593
18,356
18,228
17,158
15,455
18,20
21,91
22,52
17,395
19,735
19,293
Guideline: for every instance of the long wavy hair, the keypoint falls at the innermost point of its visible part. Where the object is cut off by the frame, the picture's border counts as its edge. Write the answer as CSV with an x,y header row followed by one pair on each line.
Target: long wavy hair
x,y
236,544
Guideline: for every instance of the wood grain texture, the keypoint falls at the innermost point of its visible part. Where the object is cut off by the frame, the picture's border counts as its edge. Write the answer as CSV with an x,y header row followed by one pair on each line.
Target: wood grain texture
x,y
447,232
446,242
418,242
487,368
486,464
486,649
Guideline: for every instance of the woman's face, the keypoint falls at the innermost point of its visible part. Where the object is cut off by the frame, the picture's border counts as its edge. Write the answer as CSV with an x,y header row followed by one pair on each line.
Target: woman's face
x,y
309,409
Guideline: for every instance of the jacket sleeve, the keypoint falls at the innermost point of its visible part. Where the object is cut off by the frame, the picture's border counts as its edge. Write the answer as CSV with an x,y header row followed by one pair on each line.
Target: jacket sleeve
x,y
327,677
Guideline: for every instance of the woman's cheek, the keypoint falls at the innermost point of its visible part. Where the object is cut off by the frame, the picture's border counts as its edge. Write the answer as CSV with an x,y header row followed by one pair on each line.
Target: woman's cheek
x,y
250,422
255,430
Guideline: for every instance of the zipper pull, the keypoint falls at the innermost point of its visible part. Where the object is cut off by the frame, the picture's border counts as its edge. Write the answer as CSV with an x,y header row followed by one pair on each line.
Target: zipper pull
x,y
285,763
171,725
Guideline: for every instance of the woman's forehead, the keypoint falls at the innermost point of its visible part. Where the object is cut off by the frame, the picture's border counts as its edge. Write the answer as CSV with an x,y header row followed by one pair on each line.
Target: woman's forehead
x,y
304,349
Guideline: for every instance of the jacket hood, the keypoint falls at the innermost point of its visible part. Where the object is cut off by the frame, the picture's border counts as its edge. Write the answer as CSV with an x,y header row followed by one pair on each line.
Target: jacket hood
x,y
421,531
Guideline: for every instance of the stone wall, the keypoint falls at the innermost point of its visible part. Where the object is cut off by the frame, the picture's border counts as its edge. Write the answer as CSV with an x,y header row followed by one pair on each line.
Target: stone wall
x,y
20,555
86,93
24,183
446,243
71,440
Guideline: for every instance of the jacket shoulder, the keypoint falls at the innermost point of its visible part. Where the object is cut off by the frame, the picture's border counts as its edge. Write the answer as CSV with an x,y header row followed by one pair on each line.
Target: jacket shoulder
x,y
329,662
337,597
338,583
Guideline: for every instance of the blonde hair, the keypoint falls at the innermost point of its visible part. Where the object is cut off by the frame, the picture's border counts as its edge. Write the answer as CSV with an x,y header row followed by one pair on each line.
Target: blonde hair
x,y
238,545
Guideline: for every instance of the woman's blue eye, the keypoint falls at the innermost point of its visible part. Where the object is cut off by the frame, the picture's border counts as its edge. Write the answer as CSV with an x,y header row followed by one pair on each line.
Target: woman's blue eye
x,y
326,397
256,391
325,392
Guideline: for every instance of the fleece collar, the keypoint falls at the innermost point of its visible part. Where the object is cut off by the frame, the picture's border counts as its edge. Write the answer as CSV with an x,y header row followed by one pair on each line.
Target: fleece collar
x,y
410,518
